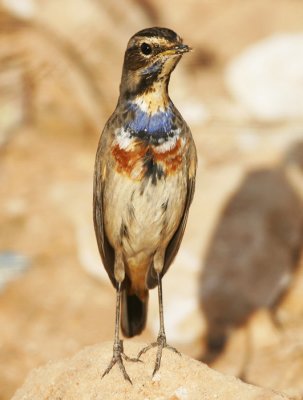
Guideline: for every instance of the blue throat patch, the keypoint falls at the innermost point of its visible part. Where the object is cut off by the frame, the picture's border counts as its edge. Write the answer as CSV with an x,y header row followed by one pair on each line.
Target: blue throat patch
x,y
158,125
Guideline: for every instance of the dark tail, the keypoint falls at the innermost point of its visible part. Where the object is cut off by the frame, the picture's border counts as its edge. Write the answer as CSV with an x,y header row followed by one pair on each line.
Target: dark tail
x,y
133,313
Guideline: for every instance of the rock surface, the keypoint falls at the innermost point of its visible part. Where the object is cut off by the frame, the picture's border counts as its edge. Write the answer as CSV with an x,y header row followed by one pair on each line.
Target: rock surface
x,y
180,378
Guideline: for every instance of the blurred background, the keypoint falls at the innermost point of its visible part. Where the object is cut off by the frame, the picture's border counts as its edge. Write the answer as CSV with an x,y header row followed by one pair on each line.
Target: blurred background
x,y
234,295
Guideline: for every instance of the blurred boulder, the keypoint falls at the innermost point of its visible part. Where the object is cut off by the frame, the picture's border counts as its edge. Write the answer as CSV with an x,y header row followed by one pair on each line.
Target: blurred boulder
x,y
253,255
267,78
24,9
12,265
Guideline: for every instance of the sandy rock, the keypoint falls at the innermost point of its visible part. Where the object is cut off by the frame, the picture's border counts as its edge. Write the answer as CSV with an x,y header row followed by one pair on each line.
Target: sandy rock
x,y
267,77
180,378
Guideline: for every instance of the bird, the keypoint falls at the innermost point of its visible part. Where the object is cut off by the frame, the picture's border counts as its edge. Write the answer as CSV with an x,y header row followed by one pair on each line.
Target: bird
x,y
144,182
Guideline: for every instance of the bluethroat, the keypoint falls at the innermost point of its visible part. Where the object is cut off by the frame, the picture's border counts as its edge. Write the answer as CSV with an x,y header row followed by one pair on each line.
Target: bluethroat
x,y
143,184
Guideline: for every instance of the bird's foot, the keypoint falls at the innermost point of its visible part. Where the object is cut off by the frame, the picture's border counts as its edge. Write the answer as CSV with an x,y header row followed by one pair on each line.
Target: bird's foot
x,y
118,354
161,344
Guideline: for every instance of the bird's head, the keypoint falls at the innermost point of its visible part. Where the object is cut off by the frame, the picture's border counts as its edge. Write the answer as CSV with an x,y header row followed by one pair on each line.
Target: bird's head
x,y
150,57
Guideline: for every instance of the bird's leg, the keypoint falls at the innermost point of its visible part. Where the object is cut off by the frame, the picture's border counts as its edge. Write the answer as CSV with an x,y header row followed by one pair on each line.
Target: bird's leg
x,y
161,339
118,352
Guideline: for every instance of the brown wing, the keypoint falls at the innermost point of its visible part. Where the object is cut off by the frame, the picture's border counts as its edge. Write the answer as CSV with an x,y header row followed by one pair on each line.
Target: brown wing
x,y
106,251
175,242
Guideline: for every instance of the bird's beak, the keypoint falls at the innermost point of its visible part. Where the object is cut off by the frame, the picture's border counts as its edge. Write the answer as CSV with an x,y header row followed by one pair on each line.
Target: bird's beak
x,y
177,50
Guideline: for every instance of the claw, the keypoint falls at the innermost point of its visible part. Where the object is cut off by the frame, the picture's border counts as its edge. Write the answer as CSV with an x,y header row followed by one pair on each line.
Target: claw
x,y
161,344
118,354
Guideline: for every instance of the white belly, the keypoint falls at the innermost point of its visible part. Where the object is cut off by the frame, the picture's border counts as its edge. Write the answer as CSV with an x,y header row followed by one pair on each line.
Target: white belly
x,y
141,219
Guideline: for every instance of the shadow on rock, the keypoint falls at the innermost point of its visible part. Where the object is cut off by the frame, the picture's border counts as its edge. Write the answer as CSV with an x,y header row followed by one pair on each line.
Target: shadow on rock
x,y
254,251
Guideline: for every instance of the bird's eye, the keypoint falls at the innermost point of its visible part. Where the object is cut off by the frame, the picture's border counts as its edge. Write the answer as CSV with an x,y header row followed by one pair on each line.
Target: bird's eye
x,y
146,49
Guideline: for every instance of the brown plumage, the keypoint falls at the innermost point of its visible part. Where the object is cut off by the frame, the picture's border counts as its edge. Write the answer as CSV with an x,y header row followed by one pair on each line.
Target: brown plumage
x,y
144,183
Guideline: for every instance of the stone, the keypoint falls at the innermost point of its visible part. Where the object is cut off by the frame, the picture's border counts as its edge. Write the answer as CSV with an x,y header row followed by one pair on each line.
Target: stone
x,y
180,378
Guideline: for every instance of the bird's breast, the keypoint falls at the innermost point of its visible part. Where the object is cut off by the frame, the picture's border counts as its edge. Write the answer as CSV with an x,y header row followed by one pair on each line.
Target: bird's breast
x,y
150,143
140,159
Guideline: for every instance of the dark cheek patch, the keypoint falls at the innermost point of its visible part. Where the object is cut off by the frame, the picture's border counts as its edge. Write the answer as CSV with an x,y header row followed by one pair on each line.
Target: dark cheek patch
x,y
148,77
134,60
